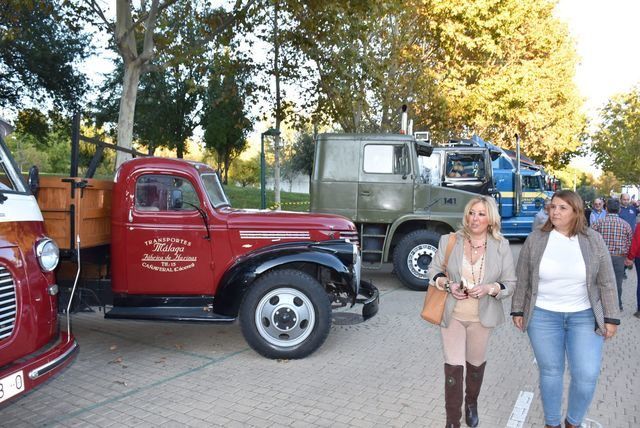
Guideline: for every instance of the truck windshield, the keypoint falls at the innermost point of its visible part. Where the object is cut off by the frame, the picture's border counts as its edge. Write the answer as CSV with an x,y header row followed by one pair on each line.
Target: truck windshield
x,y
9,180
214,190
532,183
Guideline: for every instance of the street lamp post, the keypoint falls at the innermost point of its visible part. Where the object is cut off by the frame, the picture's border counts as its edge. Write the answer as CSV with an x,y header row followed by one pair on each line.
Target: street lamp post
x,y
263,190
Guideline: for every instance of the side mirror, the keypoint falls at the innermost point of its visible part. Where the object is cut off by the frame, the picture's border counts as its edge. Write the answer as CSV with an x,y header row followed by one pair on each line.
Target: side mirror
x,y
176,199
423,149
34,180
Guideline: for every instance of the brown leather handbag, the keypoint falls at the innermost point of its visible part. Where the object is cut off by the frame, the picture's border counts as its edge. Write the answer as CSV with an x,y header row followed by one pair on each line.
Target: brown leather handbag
x,y
433,307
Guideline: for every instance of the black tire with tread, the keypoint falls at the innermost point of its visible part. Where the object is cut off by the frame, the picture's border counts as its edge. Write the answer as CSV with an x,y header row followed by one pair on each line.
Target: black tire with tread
x,y
401,253
286,278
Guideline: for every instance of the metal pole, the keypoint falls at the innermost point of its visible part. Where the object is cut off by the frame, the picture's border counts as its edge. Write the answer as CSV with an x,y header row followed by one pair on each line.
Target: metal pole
x,y
75,144
517,194
263,196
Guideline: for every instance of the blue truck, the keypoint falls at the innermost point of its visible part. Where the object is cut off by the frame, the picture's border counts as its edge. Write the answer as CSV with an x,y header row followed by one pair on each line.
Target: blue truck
x,y
475,165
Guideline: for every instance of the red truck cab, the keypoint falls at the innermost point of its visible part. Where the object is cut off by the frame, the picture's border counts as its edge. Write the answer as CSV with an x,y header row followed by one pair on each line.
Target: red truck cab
x,y
179,252
33,347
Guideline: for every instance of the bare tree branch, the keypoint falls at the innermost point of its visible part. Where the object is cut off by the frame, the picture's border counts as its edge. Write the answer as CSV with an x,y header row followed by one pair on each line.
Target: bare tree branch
x,y
98,11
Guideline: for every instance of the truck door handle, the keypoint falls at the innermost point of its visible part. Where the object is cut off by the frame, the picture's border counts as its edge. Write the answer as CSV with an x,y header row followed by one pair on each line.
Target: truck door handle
x,y
130,215
365,193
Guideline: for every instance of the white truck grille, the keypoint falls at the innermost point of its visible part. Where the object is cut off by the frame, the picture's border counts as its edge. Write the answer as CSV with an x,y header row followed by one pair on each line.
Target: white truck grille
x,y
8,303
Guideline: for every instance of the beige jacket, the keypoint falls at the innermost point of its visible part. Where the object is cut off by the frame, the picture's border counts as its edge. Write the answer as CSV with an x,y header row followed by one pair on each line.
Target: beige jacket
x,y
498,267
601,281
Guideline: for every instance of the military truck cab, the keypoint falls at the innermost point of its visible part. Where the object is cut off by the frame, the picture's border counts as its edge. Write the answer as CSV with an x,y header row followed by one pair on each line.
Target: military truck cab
x,y
376,181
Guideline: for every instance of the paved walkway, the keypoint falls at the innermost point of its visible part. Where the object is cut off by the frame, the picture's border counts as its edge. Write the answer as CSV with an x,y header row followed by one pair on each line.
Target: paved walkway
x,y
385,372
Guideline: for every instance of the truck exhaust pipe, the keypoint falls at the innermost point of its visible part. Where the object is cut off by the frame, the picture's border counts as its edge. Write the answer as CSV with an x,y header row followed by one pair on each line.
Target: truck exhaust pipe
x,y
517,182
404,120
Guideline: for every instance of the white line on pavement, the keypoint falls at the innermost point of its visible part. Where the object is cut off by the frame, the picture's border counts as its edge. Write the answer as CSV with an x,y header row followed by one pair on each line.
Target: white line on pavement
x,y
520,410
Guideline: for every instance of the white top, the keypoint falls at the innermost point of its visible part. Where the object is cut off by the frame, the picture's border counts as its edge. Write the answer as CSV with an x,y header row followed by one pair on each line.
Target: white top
x,y
563,276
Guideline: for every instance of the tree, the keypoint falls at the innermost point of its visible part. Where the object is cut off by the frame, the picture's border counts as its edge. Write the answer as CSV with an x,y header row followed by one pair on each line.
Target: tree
x,y
224,121
483,66
38,50
245,172
303,153
138,42
616,142
508,67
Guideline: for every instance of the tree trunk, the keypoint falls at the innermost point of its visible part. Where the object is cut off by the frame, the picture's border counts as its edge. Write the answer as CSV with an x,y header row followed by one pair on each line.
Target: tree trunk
x,y
126,114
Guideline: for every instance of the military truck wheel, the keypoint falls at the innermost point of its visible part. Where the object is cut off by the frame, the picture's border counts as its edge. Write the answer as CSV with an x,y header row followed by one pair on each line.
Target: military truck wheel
x,y
285,314
412,257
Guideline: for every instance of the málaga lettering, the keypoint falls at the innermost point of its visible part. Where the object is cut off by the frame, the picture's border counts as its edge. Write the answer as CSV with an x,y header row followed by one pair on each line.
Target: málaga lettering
x,y
168,254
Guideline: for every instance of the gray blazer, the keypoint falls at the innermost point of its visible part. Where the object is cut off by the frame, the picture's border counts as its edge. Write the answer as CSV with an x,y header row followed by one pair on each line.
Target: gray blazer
x,y
601,281
498,267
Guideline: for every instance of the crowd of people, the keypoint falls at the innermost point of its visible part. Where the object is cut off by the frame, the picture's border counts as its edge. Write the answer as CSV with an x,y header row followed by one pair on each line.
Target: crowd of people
x,y
566,295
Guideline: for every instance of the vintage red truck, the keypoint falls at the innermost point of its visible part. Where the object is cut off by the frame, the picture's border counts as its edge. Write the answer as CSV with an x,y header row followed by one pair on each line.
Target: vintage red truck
x,y
176,250
33,346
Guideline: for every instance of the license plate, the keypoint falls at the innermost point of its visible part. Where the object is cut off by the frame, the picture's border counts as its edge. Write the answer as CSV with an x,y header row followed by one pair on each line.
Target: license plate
x,y
11,385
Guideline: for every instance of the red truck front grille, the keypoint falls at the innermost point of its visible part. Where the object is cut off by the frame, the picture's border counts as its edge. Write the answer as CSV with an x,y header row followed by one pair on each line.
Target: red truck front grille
x,y
351,236
8,303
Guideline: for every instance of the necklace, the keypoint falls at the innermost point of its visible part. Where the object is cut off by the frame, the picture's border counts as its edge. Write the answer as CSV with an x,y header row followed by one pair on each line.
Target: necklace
x,y
473,275
475,248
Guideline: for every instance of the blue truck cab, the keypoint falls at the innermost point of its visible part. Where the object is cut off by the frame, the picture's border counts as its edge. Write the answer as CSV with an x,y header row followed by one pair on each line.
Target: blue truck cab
x,y
478,166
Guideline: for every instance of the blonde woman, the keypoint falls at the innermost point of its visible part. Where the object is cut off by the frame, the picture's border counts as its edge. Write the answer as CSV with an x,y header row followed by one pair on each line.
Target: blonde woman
x,y
480,274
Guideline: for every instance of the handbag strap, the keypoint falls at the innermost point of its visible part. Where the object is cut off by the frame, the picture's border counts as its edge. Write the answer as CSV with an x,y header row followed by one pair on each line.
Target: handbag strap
x,y
447,253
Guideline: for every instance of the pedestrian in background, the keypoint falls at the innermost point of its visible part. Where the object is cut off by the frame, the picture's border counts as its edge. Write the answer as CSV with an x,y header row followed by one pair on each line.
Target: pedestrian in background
x,y
480,274
634,255
617,235
597,211
628,212
565,287
541,216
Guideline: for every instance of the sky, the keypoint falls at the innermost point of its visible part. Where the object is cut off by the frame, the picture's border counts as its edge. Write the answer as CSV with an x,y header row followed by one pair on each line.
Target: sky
x,y
606,34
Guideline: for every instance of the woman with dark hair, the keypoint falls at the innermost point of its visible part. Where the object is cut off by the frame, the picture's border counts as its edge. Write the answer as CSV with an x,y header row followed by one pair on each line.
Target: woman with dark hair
x,y
566,287
480,273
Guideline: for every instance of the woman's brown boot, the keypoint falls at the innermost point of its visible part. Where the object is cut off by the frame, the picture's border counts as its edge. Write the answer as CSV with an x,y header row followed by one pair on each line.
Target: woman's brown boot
x,y
568,425
473,381
552,426
453,394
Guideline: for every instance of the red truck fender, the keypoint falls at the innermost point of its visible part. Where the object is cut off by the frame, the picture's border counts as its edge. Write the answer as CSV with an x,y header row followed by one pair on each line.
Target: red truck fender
x,y
335,256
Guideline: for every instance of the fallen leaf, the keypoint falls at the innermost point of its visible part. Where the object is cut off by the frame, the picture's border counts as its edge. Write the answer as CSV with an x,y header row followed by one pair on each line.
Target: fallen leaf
x,y
113,347
116,361
179,346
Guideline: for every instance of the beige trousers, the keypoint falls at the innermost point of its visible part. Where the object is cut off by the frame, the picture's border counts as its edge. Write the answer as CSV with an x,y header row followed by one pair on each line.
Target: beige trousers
x,y
465,341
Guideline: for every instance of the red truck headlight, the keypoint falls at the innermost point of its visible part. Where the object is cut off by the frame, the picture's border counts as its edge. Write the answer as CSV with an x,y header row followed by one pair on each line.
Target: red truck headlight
x,y
48,254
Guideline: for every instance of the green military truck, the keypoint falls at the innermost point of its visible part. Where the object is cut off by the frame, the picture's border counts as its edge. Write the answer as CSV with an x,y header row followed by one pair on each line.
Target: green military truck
x,y
399,207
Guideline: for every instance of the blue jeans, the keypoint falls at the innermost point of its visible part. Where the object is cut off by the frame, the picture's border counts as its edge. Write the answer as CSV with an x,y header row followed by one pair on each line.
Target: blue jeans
x,y
552,335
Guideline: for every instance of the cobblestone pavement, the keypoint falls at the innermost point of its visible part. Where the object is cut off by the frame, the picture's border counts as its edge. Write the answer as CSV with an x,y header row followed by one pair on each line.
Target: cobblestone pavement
x,y
384,372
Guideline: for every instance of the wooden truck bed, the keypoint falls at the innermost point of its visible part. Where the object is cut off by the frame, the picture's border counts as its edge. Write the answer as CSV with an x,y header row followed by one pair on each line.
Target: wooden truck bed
x,y
66,212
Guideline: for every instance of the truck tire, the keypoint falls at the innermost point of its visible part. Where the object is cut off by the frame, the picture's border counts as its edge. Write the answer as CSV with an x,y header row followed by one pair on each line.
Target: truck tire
x,y
285,314
412,256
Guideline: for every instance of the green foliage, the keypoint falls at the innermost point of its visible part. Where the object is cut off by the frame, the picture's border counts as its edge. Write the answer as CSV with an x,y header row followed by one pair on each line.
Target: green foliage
x,y
245,172
607,184
587,193
249,197
38,53
570,176
507,67
224,120
491,67
303,152
616,142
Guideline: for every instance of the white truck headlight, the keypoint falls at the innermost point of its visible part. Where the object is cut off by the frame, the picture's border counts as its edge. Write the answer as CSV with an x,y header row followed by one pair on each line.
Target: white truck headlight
x,y
48,254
